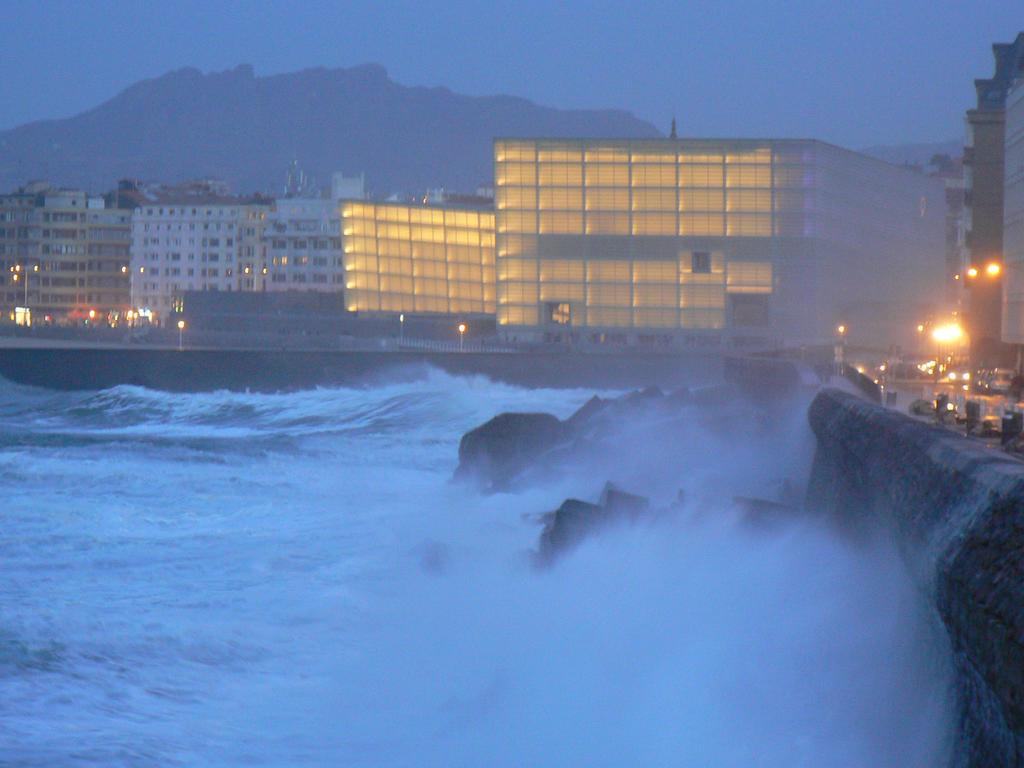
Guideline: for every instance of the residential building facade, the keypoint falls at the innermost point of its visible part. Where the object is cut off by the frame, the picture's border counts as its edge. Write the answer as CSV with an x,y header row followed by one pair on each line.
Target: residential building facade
x,y
984,160
301,248
1013,222
64,255
192,238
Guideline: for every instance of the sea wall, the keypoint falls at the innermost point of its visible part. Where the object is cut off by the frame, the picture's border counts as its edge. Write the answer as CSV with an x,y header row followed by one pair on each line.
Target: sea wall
x,y
956,509
198,370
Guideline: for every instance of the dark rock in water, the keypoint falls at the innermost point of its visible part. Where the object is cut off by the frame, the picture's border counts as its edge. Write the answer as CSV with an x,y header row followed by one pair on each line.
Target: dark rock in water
x,y
575,520
567,525
499,450
619,503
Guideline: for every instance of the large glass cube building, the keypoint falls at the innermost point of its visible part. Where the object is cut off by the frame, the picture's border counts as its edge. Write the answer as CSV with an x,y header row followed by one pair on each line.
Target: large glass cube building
x,y
709,242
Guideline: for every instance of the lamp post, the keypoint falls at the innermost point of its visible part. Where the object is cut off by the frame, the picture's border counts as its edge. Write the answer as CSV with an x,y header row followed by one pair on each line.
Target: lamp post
x,y
401,327
462,333
840,349
181,334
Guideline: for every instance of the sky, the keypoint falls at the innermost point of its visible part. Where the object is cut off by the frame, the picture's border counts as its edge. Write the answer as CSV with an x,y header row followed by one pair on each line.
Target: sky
x,y
855,73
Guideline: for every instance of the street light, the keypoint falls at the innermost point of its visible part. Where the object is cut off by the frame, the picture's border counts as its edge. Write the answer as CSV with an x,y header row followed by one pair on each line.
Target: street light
x,y
181,331
462,333
992,269
401,327
972,272
944,334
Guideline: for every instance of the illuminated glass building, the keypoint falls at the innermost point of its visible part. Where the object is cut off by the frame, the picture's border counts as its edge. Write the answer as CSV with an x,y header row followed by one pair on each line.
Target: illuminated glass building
x,y
674,241
708,242
418,258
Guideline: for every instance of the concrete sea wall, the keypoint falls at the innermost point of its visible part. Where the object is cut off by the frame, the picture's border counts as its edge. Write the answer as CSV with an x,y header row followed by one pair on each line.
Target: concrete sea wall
x,y
956,509
198,370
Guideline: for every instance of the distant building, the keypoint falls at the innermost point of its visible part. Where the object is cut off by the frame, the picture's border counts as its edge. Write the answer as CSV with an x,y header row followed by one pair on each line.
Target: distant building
x,y
192,237
302,246
1013,222
418,259
302,240
711,242
63,254
951,171
984,156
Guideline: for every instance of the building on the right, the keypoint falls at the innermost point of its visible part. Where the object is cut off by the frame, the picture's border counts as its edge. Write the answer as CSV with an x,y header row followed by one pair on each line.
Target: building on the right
x,y
712,243
984,161
1013,223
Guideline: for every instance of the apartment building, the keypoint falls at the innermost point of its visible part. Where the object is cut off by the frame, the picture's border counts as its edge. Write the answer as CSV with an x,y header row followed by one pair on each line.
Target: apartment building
x,y
193,237
64,255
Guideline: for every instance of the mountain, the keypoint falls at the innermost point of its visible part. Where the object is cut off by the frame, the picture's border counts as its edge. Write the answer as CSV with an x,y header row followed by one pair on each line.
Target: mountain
x,y
915,154
247,130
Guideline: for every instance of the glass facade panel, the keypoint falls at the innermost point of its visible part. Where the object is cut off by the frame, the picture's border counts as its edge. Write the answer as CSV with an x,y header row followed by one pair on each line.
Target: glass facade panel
x,y
607,199
749,277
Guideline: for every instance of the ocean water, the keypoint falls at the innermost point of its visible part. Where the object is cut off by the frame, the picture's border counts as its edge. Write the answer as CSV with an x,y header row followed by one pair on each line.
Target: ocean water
x,y
291,580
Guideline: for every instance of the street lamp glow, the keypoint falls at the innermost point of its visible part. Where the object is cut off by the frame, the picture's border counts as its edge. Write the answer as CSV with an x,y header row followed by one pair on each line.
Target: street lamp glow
x,y
992,269
92,314
972,272
920,327
181,331
181,325
462,333
841,330
946,333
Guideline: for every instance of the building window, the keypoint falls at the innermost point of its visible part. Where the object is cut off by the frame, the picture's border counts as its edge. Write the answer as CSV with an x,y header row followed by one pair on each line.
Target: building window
x,y
701,262
559,313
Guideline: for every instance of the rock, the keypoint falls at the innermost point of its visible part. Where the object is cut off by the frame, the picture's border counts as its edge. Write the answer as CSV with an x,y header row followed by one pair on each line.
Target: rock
x,y
496,452
575,520
502,451
619,503
567,526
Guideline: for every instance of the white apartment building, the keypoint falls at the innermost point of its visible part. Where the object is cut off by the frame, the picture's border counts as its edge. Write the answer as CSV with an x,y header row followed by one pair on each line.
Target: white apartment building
x,y
189,239
302,242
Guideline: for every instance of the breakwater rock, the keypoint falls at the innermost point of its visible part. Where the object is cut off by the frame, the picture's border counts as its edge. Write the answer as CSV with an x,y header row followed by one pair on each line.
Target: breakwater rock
x,y
956,509
511,446
574,520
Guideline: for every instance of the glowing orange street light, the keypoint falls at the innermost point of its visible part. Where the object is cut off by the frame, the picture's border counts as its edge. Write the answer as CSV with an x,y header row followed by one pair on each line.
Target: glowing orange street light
x,y
92,314
841,330
972,272
992,269
181,331
920,327
462,333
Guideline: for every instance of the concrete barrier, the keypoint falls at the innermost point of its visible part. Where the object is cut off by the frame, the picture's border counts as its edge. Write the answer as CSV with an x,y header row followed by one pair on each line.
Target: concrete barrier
x,y
956,508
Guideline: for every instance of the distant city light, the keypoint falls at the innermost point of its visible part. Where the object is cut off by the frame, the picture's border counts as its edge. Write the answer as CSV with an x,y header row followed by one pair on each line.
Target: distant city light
x,y
972,272
181,325
92,314
920,327
993,269
841,330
